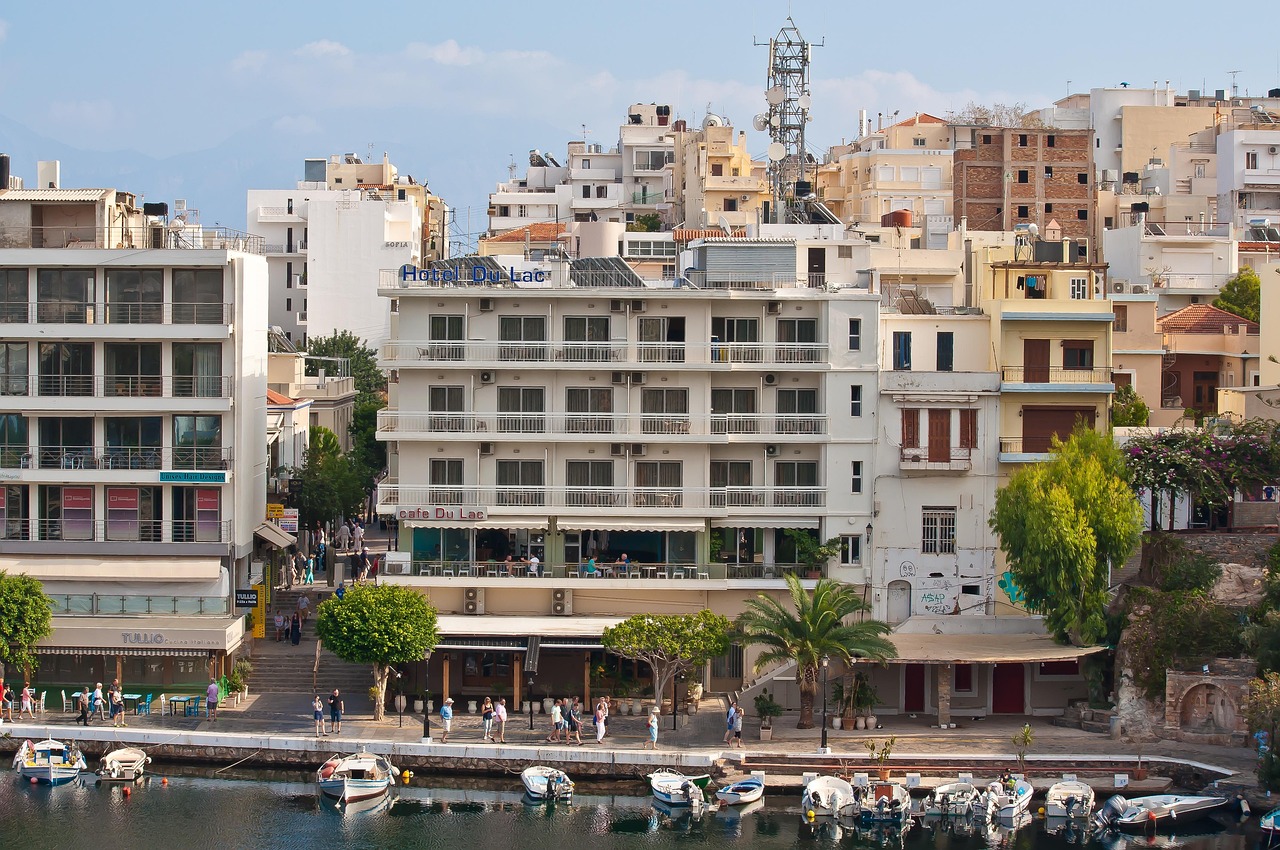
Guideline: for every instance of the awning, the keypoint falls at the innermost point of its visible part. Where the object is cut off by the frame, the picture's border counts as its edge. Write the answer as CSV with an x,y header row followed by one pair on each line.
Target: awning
x,y
983,649
532,523
460,631
609,524
142,635
767,522
275,535
54,568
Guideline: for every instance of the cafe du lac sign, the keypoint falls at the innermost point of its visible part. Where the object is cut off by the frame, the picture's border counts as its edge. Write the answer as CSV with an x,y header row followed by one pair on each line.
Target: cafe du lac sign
x,y
442,513
476,274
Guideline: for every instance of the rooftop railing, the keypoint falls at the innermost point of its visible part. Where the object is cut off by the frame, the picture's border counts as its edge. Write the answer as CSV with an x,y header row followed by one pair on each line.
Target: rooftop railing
x,y
151,236
404,424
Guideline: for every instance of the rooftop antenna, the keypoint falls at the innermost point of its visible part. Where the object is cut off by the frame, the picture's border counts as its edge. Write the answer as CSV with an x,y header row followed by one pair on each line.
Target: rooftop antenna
x,y
788,98
1234,89
511,167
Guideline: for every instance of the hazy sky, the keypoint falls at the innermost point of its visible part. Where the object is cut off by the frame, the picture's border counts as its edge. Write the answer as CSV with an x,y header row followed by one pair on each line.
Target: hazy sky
x,y
204,101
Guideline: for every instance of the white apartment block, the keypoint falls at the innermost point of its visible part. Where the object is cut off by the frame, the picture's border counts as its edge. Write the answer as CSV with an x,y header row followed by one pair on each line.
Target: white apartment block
x,y
132,429
326,239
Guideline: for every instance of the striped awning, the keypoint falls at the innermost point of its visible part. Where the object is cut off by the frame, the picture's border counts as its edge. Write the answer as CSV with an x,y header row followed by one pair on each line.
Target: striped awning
x,y
609,524
150,651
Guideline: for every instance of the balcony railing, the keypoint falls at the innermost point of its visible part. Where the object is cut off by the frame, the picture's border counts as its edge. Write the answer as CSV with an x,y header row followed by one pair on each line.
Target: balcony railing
x,y
469,353
115,457
393,496
117,386
636,571
127,313
112,531
403,424
95,605
134,237
620,283
285,247
646,197
953,458
1054,375
1024,445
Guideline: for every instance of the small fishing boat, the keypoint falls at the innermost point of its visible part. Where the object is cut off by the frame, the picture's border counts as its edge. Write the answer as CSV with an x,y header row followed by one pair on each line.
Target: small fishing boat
x,y
827,797
1007,803
675,789
1158,810
953,798
1068,799
886,802
546,783
740,793
123,765
1271,821
49,762
361,776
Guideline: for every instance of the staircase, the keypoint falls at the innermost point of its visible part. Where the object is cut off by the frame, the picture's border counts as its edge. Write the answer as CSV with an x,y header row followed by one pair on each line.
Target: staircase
x,y
282,668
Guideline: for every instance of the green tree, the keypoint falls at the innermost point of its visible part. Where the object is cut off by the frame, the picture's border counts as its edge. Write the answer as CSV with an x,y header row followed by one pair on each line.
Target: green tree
x,y
367,452
1128,410
809,550
331,487
1061,524
323,443
1262,709
381,625
25,619
370,381
669,643
1242,295
647,223
815,624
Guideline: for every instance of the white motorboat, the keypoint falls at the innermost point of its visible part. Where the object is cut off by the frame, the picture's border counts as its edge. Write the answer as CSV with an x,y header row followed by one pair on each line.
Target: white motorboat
x,y
1005,802
828,796
1158,810
675,789
886,802
1068,799
740,793
49,762
123,765
953,798
1270,822
361,776
546,783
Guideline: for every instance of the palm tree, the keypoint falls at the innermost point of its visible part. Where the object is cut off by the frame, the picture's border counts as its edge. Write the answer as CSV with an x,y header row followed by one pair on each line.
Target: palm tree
x,y
815,624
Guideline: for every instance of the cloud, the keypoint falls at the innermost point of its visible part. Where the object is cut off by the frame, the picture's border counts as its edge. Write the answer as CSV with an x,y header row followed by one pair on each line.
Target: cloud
x,y
296,125
323,49
4,29
251,61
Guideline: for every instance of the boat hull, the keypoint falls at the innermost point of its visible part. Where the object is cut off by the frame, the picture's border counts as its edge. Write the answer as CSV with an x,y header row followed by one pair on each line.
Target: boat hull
x,y
45,775
354,790
741,793
827,797
1069,800
541,784
1159,812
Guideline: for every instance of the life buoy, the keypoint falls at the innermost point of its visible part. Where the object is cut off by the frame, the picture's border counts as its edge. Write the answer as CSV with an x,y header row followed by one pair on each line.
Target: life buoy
x,y
327,770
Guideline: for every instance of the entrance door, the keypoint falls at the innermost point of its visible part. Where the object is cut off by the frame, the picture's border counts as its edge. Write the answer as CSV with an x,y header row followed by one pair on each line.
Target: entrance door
x,y
817,266
899,607
1205,392
940,436
1008,683
913,688
1035,361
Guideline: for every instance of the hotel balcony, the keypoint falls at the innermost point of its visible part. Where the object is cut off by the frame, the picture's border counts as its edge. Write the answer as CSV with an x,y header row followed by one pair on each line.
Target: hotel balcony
x,y
498,499
99,605
392,284
609,576
97,314
599,427
472,354
167,532
68,460
152,236
942,459
1055,379
118,386
1024,450
281,215
286,249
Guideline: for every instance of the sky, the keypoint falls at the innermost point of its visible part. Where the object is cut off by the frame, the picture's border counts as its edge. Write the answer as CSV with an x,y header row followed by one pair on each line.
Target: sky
x,y
203,102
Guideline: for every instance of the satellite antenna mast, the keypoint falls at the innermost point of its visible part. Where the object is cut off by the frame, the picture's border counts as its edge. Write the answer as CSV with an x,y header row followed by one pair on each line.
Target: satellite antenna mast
x,y
788,98
1234,90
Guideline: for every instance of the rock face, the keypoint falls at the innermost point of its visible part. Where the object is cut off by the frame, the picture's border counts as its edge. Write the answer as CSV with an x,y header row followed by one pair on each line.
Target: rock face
x,y
1243,558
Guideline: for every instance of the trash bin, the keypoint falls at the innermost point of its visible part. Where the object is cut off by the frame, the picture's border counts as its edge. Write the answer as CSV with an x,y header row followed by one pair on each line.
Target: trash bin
x,y
1115,728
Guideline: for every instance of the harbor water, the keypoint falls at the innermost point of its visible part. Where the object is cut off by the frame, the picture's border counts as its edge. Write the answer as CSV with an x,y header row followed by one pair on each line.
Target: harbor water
x,y
200,809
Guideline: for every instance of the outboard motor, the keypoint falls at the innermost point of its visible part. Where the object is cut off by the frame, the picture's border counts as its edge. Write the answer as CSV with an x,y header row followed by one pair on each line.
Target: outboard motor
x,y
1110,812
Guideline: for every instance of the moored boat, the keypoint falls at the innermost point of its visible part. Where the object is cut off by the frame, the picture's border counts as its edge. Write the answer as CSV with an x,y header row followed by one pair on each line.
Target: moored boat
x,y
1006,802
361,776
886,801
1270,822
1068,799
828,796
953,798
740,793
1157,810
546,783
675,789
124,765
49,762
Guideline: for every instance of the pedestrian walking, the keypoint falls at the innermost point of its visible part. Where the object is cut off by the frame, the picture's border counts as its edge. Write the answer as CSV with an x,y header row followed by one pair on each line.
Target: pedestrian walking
x,y
212,702
486,715
557,718
446,720
573,716
99,706
608,709
500,719
117,707
373,568
737,728
652,743
28,702
83,704
353,565
7,693
358,536
304,607
728,720
336,708
342,589
317,712
295,629
310,576
598,717
279,621
342,537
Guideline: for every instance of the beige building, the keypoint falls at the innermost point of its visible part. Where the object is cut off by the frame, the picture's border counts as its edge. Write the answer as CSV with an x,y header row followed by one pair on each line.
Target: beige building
x,y
713,177
331,391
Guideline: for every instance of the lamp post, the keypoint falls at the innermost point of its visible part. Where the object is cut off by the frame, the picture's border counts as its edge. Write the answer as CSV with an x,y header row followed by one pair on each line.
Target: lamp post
x,y
426,717
399,696
530,703
823,748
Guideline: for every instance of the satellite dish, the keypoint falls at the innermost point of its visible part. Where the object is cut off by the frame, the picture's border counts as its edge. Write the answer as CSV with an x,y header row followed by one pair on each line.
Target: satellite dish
x,y
777,152
760,121
178,225
724,225
804,101
775,121
712,120
775,95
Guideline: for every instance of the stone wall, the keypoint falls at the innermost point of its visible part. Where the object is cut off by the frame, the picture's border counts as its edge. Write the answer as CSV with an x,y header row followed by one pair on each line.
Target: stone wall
x,y
1208,708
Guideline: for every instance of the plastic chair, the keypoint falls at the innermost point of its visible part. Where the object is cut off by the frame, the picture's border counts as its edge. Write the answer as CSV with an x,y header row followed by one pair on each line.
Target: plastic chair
x,y
144,707
40,702
66,706
193,707
164,704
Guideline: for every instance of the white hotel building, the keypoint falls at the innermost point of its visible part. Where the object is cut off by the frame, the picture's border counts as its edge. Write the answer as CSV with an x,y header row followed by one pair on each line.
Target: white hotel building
x,y
132,430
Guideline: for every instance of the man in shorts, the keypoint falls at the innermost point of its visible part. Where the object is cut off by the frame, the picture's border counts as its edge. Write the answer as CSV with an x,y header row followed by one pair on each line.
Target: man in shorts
x,y
500,719
446,720
335,711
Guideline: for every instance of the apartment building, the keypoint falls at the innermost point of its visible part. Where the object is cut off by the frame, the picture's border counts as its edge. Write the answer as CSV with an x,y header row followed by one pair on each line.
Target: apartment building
x,y
326,239
134,417
1180,262
713,178
1248,158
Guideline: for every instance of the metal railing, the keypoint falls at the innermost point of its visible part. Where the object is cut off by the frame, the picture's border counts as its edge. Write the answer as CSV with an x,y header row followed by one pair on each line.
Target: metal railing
x,y
560,277
115,457
924,458
403,423
518,570
393,496
126,313
96,605
1054,375
640,353
646,197
114,530
1025,445
154,235
117,386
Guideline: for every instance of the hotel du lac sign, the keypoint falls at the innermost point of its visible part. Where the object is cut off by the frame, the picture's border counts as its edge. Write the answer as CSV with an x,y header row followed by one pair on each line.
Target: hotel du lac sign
x,y
476,274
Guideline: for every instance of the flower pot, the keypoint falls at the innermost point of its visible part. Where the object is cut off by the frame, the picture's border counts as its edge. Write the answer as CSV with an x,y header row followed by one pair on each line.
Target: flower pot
x,y
766,733
417,706
546,705
835,723
524,707
860,723
872,721
431,705
1139,773
400,702
884,774
636,706
471,706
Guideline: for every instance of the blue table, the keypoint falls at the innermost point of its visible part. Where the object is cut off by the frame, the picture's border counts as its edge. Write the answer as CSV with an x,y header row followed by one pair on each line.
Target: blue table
x,y
183,701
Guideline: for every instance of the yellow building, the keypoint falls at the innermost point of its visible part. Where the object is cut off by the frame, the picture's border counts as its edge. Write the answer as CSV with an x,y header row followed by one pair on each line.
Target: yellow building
x,y
713,177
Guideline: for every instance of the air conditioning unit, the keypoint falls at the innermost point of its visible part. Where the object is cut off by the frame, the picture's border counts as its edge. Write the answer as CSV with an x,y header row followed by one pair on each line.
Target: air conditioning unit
x,y
562,602
493,211
771,450
618,449
617,305
773,308
744,198
473,600
1138,288
488,377
393,377
1117,286
638,378
486,305
770,379
637,306
618,378
1273,150
638,449
486,448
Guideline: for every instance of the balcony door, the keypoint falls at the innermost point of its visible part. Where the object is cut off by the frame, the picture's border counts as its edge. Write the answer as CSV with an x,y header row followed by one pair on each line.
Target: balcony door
x,y
940,436
1035,361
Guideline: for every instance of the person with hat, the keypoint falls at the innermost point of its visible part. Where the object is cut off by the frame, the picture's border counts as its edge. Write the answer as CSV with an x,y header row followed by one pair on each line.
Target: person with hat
x,y
446,719
652,743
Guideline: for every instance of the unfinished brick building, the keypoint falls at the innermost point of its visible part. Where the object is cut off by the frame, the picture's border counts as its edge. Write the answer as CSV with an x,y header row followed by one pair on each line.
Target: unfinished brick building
x,y
1006,176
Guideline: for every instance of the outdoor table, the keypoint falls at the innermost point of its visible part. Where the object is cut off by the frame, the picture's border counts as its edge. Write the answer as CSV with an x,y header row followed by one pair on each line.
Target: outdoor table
x,y
649,570
134,697
179,701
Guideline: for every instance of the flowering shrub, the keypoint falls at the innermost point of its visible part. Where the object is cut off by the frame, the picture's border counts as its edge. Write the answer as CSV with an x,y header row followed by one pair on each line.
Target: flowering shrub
x,y
1210,464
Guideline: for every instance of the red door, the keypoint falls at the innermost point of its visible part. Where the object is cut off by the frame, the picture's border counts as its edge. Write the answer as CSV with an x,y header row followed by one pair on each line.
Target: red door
x,y
1035,361
940,436
913,689
1008,683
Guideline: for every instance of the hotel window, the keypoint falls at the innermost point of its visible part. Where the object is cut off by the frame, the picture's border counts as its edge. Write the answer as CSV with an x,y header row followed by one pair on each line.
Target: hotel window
x,y
15,445
902,351
797,412
197,515
855,476
1079,288
911,428
442,329
730,204
590,338
136,296
520,482
1251,160
659,484
665,411
588,483
844,252
851,550
133,368
197,442
444,478
64,295
733,410
589,410
717,169
968,428
731,484
66,368
526,332
13,368
602,191
586,191
67,513
918,142
133,442
855,334
446,400
946,350
797,340
134,513
1077,354
13,296
938,531
885,173
197,296
796,483
15,510
1121,324
521,409
855,400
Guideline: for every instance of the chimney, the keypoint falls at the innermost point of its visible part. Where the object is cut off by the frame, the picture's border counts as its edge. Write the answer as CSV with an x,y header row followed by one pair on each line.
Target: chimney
x,y
47,172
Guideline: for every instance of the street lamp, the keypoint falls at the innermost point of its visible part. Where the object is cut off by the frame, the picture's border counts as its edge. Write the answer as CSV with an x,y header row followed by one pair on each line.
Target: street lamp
x,y
530,703
825,662
399,696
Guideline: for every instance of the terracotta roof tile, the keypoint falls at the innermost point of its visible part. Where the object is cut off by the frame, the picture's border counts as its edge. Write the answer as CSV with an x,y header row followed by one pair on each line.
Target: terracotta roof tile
x,y
922,118
274,397
1202,319
540,231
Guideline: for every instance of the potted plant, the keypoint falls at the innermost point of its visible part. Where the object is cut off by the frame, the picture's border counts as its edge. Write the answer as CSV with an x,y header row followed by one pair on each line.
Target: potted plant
x,y
810,553
243,668
880,754
1022,741
1139,772
234,684
766,710
419,701
865,699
